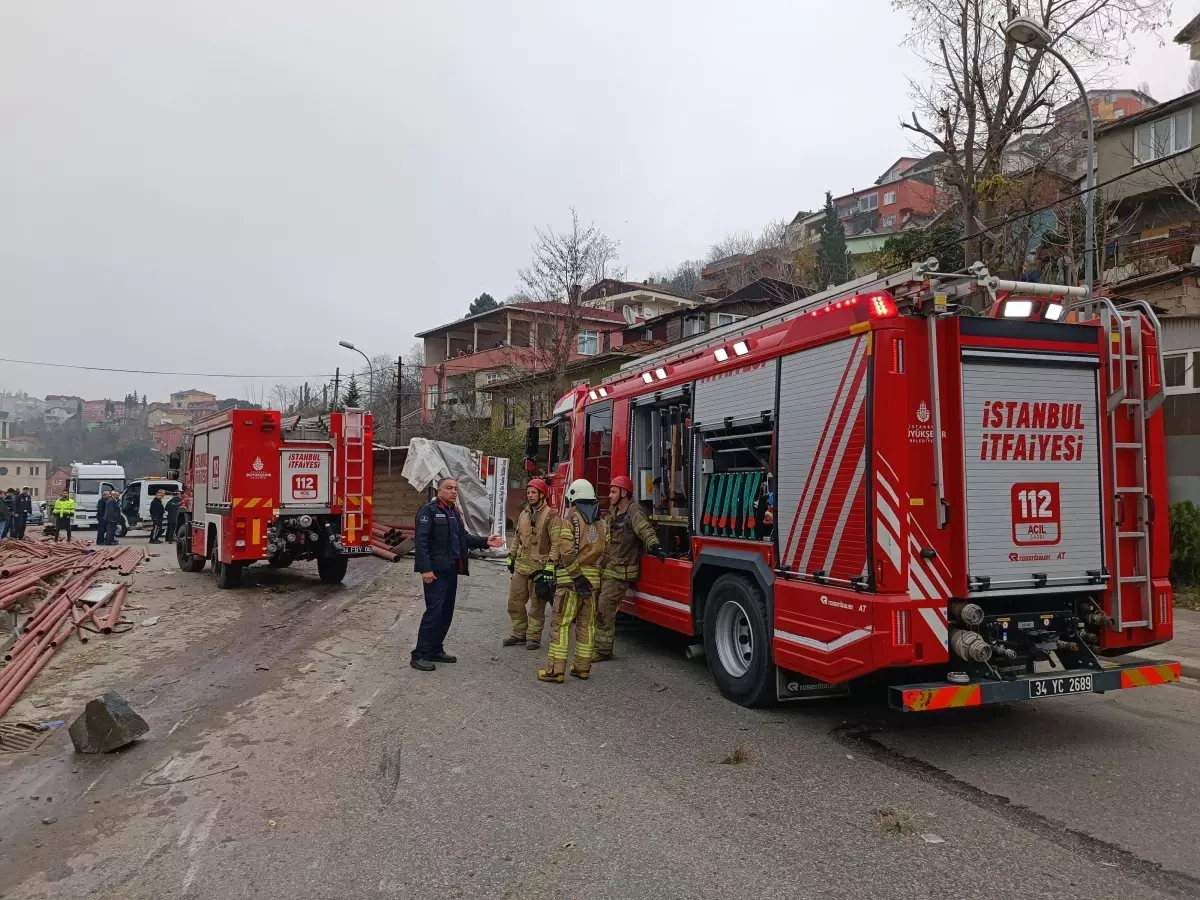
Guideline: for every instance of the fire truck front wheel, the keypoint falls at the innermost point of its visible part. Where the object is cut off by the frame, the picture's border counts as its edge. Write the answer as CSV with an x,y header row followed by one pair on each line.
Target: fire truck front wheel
x,y
737,642
332,569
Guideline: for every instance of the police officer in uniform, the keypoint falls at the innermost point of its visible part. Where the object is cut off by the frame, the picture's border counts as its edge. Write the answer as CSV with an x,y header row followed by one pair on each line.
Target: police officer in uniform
x,y
442,542
629,531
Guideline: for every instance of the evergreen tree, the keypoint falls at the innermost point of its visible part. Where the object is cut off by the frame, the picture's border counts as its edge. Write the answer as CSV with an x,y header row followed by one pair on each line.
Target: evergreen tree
x,y
352,396
833,262
482,303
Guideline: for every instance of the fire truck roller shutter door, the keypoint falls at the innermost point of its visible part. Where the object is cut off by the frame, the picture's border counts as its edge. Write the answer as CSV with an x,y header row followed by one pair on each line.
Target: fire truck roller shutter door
x,y
821,507
742,395
1032,472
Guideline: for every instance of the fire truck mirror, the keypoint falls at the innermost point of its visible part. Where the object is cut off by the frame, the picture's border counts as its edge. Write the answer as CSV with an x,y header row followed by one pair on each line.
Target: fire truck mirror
x,y
532,442
173,460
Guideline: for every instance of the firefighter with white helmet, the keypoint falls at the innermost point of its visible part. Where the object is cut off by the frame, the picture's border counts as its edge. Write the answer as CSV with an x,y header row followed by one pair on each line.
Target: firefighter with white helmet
x,y
629,532
530,589
578,541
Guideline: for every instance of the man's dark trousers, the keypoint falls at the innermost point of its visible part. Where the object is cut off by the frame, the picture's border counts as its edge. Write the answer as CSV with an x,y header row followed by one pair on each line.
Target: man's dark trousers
x,y
110,531
439,612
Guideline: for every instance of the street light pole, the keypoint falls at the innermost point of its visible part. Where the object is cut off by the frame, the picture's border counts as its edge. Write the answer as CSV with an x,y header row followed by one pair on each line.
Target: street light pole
x,y
1026,31
370,368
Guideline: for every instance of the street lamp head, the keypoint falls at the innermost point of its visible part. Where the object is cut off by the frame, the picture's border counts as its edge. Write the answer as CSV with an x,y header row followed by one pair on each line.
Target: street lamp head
x,y
347,345
1024,30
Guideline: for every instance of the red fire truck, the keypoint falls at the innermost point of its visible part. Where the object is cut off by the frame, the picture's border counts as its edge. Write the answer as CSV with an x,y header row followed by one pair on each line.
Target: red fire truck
x,y
259,485
877,478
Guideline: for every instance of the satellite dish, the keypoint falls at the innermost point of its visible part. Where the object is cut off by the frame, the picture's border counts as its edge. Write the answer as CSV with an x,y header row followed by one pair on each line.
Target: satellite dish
x,y
629,314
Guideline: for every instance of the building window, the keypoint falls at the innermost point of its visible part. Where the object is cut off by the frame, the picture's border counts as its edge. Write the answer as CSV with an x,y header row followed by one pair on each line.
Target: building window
x,y
1180,379
587,343
535,408
510,412
889,221
691,326
720,319
493,377
431,397
3,470
35,492
1164,137
1118,113
18,470
889,198
869,202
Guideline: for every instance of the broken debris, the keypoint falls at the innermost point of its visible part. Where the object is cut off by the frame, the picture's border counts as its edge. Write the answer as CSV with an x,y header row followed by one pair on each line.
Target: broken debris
x,y
107,723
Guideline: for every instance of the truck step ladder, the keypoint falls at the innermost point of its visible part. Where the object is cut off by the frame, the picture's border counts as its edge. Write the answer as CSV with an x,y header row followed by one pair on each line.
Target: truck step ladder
x,y
1133,605
353,474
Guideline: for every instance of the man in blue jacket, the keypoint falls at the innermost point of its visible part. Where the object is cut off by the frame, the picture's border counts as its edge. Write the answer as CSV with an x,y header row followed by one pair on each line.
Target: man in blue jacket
x,y
442,542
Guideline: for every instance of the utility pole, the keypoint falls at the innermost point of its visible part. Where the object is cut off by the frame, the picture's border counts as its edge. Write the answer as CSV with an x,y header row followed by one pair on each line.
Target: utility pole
x,y
337,374
397,438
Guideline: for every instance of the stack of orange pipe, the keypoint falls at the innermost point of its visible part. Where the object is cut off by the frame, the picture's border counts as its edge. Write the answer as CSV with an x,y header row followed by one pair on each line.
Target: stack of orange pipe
x,y
63,573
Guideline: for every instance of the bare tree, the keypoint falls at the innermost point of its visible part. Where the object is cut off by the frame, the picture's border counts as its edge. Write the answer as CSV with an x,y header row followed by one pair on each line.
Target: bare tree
x,y
1193,82
682,279
566,260
984,90
733,244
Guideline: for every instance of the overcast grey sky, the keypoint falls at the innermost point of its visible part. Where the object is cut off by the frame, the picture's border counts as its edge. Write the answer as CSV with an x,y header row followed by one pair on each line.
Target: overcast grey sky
x,y
233,187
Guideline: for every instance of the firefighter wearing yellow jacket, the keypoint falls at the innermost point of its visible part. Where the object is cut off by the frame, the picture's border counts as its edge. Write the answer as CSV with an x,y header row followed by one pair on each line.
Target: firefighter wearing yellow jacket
x,y
526,560
578,541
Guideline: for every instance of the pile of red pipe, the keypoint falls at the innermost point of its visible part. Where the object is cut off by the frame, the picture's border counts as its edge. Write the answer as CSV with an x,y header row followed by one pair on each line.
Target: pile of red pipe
x,y
63,573
391,541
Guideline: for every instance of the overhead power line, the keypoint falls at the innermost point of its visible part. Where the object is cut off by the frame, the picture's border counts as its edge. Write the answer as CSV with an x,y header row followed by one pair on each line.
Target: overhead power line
x,y
53,365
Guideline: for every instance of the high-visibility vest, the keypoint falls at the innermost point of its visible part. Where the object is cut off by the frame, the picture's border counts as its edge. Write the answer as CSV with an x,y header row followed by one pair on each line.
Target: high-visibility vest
x,y
64,508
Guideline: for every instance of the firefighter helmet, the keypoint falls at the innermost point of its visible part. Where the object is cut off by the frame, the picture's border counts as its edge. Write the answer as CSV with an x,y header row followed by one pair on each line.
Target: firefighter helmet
x,y
580,489
622,482
539,485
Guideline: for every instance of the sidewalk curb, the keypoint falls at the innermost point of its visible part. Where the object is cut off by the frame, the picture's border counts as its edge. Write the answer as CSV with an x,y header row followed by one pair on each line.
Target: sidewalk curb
x,y
1189,667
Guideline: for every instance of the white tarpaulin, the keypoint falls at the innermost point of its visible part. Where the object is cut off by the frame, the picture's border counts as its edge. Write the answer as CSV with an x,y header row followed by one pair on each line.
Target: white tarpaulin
x,y
428,461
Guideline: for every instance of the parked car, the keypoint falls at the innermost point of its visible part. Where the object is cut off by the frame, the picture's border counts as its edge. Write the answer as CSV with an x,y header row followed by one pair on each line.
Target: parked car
x,y
38,515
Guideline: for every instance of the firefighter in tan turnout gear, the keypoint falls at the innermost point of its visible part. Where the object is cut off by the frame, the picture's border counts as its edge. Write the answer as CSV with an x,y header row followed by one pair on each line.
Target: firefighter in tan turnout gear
x,y
527,561
629,531
578,541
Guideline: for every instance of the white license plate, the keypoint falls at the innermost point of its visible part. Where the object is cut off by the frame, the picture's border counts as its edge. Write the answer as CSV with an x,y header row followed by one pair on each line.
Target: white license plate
x,y
1057,687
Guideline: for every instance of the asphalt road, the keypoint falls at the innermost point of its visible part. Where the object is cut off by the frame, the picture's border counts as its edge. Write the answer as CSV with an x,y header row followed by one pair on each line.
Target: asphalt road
x,y
295,754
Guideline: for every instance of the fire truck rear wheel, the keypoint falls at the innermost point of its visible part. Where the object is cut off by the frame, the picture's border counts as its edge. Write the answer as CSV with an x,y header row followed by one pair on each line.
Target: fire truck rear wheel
x,y
737,643
188,561
228,575
332,570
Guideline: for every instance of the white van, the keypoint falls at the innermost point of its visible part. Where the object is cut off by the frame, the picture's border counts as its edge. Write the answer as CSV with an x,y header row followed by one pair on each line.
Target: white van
x,y
88,480
135,499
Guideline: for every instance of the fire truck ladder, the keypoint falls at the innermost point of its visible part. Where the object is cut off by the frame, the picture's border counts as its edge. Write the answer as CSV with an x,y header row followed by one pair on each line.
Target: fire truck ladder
x,y
353,472
1127,424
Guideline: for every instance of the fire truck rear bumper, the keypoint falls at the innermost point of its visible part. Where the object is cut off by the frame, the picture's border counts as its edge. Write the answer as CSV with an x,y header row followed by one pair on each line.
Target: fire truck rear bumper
x,y
945,695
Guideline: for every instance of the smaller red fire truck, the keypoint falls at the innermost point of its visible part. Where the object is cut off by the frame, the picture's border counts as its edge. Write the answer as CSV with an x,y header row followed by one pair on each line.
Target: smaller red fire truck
x,y
259,485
